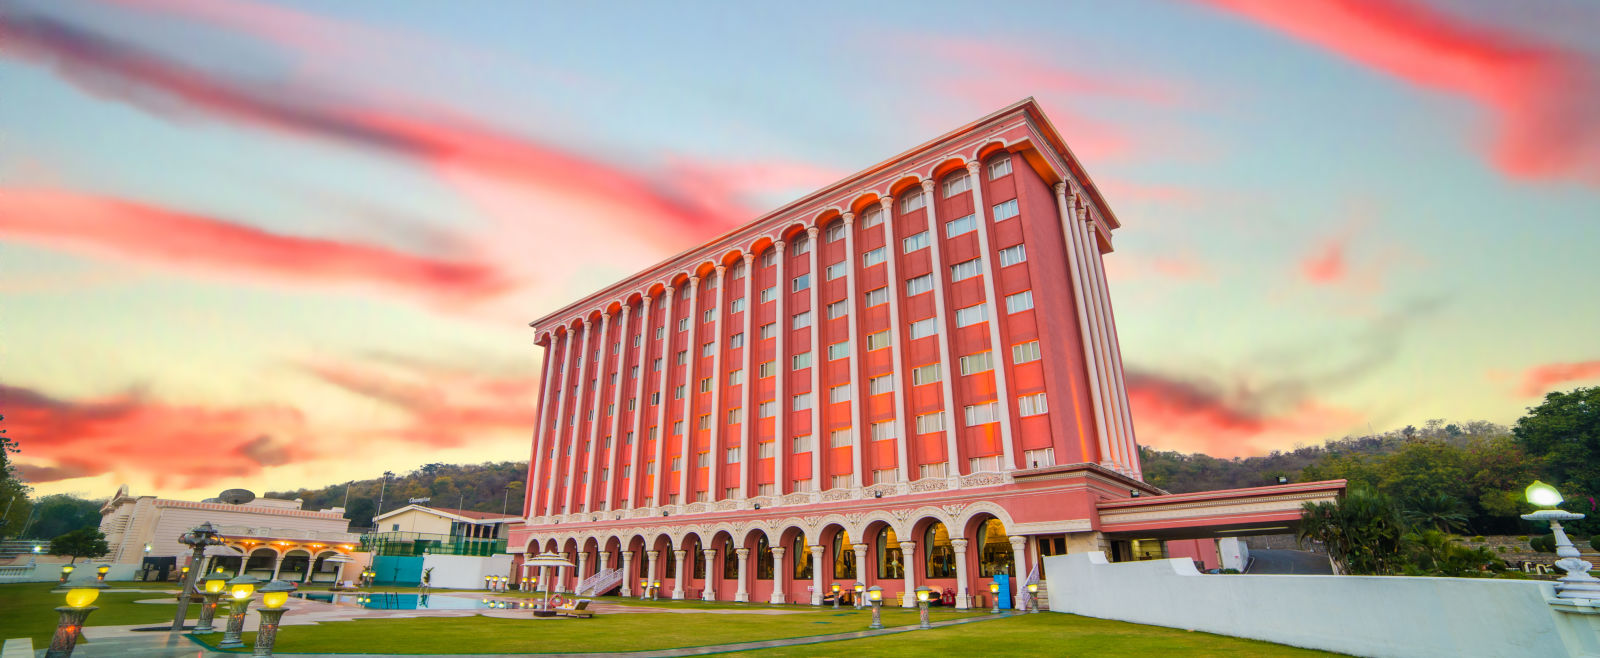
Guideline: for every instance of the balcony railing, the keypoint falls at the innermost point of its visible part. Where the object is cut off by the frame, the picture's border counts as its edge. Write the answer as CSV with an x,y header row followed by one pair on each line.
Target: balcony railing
x,y
426,543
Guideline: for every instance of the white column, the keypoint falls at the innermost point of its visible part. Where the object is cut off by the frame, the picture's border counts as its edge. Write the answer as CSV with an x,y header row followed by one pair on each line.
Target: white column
x,y
537,462
963,594
1097,327
613,459
554,462
277,563
941,279
714,451
747,453
691,388
599,417
861,561
1130,445
858,415
743,561
627,574
578,409
816,575
1019,558
583,571
712,568
902,386
679,577
992,296
908,555
780,578
819,433
780,363
1080,288
662,429
640,404
655,560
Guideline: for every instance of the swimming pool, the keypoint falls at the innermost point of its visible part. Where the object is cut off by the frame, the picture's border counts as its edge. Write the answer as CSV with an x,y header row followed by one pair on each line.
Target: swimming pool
x,y
397,601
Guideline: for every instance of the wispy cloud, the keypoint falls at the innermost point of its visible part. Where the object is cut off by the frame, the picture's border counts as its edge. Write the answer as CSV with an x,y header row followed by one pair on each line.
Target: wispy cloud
x,y
1546,99
444,405
1540,379
1196,415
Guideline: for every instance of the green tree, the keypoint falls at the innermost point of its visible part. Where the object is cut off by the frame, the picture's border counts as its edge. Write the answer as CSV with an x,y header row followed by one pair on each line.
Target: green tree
x,y
83,542
1440,512
59,514
1564,431
1362,531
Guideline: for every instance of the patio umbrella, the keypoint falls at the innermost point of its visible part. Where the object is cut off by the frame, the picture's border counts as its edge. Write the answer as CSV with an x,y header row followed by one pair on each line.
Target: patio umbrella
x,y
547,560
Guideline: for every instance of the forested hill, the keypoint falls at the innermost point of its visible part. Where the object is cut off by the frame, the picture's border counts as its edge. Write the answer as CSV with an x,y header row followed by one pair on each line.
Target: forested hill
x,y
476,487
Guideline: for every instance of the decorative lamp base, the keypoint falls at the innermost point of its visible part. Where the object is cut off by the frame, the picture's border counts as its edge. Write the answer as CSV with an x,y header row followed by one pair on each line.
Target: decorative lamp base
x,y
68,631
267,634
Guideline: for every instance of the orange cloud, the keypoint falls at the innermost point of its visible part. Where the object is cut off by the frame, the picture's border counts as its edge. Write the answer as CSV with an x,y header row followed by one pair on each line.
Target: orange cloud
x,y
171,239
447,406
1540,379
1546,99
1326,264
1192,416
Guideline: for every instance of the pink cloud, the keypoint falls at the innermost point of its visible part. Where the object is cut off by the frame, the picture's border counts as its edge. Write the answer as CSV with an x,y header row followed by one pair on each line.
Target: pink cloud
x,y
1546,99
1540,379
1326,264
1195,416
446,406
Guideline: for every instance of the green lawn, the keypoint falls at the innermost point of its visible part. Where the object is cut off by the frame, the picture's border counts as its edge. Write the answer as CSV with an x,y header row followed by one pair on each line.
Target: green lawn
x,y
28,610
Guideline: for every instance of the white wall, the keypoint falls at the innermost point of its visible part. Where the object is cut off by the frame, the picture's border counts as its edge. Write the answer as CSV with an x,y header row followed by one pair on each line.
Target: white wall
x,y
464,571
1360,615
1233,552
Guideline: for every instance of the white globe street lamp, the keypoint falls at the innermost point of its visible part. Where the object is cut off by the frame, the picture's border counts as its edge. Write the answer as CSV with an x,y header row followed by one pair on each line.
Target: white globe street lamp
x,y
1577,584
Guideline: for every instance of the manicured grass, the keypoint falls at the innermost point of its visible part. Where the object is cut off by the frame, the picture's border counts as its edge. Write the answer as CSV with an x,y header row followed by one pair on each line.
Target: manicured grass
x,y
28,610
1044,634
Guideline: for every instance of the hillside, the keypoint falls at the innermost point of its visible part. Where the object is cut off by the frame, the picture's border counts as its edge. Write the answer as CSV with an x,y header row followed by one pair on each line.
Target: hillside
x,y
477,487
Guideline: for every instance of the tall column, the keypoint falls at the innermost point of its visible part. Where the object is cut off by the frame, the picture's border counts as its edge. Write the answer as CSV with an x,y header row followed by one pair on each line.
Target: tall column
x,y
714,451
655,561
1097,327
1080,288
627,574
662,429
819,438
603,564
561,578
613,456
578,409
743,562
963,594
690,390
1019,547
947,386
585,505
277,563
537,461
583,571
636,490
858,406
747,425
901,372
780,362
553,460
712,568
816,575
679,577
993,298
1130,446
861,561
780,577
908,555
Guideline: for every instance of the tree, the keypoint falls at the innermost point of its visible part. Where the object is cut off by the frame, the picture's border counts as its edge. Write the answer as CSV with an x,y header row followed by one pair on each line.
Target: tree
x,y
1440,512
59,514
84,542
14,505
1361,531
1564,431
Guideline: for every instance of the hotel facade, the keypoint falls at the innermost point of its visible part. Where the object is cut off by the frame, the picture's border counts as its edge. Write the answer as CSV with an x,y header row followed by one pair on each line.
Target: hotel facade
x,y
908,378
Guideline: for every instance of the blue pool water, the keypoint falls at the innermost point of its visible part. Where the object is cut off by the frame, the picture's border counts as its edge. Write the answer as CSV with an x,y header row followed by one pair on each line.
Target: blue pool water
x,y
395,601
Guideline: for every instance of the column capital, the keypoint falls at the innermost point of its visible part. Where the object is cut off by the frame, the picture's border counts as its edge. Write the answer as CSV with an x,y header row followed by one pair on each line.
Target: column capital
x,y
848,217
603,555
694,281
720,270
927,185
586,323
973,166
680,552
778,551
748,259
627,310
653,554
1083,213
666,291
778,245
1060,188
886,202
813,231
859,547
958,543
742,552
1018,543
605,316
908,546
627,556
817,551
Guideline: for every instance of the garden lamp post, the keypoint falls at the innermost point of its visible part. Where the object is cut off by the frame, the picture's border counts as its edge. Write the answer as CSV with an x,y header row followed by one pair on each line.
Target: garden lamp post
x,y
216,584
488,583
1033,597
836,596
199,539
655,591
875,595
70,628
66,572
644,588
994,591
101,571
1577,584
239,591
273,596
861,588
923,594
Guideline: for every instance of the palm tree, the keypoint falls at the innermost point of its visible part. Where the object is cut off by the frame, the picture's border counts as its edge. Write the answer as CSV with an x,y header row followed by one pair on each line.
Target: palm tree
x,y
1361,530
1439,511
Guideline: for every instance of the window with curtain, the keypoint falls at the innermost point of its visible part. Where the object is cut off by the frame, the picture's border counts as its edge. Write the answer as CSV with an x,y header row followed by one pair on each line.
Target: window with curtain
x,y
671,570
891,563
697,557
802,558
730,562
939,554
994,556
844,557
764,566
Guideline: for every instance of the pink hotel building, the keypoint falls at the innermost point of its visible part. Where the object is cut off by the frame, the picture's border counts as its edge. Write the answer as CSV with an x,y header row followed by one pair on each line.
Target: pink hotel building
x,y
910,377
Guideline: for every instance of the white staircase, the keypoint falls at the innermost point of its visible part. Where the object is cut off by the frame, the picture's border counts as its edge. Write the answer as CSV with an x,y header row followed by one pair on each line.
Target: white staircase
x,y
598,583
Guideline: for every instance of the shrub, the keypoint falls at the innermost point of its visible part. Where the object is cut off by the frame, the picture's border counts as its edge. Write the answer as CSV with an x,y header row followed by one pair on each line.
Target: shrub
x,y
1544,544
1226,571
1505,549
1478,538
1594,542
1522,538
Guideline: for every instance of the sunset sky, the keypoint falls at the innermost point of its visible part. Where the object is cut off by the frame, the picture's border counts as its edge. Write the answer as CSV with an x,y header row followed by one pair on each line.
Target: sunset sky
x,y
272,245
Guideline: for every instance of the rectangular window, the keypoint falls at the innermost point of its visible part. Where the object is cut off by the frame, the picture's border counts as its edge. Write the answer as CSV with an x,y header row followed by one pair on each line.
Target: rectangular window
x,y
960,225
836,232
769,293
877,341
736,377
1019,302
737,271
736,306
874,257
677,392
984,464
915,242
1013,255
800,320
705,421
1039,458
838,309
841,438
655,398
923,328
1032,405
769,257
878,296
885,476
769,330
880,385
918,285
975,363
636,339
633,403
966,269
736,340
677,429
801,360
802,245
840,393
732,455
912,201
931,470
801,282
683,357
705,385
837,270
766,449
933,422
706,349
659,331
708,315
883,431
656,366
802,402
840,482
802,443
979,414
768,369
957,185
971,315
652,436
766,489
677,465
627,439
838,351
633,372
1000,168
683,324
768,409
872,217
1005,210
927,374
802,486
702,460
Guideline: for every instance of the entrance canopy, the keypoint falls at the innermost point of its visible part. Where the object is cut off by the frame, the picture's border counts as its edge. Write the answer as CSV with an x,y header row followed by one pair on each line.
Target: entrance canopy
x,y
1214,514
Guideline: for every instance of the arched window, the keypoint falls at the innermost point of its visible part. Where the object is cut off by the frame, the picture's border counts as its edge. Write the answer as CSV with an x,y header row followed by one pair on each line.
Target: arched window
x,y
802,557
994,556
697,557
939,555
730,561
671,571
891,563
763,558
844,557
